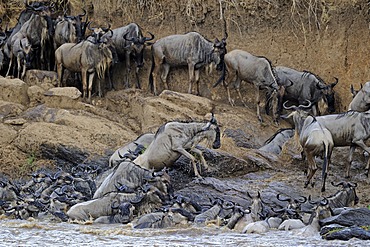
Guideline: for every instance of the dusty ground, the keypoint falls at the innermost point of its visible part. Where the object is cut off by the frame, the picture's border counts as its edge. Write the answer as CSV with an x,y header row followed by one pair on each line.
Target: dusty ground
x,y
329,41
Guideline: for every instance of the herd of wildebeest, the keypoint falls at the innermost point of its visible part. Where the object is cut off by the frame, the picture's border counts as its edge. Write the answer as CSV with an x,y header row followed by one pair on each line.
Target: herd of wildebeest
x,y
137,186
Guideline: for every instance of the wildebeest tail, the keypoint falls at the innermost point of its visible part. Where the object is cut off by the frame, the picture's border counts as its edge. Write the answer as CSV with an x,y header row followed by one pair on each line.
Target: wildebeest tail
x,y
151,86
325,164
222,77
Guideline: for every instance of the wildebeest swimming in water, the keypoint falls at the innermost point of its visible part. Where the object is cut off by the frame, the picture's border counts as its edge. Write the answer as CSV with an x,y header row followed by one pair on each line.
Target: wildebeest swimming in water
x,y
176,138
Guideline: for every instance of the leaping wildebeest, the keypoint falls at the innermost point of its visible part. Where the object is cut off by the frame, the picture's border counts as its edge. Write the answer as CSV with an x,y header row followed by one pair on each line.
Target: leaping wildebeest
x,y
258,70
190,49
174,139
129,41
305,85
87,57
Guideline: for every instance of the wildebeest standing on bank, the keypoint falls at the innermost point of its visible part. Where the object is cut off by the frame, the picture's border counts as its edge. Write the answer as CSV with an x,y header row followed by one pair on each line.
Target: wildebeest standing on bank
x,y
305,85
190,49
87,57
243,66
129,41
173,139
315,140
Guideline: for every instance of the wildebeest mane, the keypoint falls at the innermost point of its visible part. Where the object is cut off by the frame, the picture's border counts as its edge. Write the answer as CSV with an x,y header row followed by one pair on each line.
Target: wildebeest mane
x,y
162,127
348,113
306,73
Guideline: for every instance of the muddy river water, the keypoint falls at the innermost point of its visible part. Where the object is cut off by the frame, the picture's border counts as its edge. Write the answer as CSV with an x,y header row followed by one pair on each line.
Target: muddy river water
x,y
42,233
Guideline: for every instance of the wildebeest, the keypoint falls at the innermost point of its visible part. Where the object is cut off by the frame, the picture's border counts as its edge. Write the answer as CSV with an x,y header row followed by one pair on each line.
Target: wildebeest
x,y
348,129
243,66
126,151
173,139
305,85
128,42
346,197
21,52
68,29
275,143
315,140
87,57
361,100
190,49
130,175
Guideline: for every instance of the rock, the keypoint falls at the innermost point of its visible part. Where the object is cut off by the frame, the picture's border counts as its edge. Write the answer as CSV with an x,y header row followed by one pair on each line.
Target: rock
x,y
330,228
36,95
10,109
69,92
348,233
350,217
43,78
14,90
7,134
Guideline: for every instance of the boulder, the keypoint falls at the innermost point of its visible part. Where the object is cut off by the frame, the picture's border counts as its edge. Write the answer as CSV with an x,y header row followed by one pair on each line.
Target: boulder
x,y
10,109
69,92
36,95
350,217
14,90
43,78
347,233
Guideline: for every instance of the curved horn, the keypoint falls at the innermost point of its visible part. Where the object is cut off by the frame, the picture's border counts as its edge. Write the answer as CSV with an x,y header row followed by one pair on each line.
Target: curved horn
x,y
147,38
249,195
324,202
312,202
305,106
282,210
337,184
289,107
302,199
113,206
82,15
137,200
281,199
89,27
353,185
106,29
132,39
228,205
334,83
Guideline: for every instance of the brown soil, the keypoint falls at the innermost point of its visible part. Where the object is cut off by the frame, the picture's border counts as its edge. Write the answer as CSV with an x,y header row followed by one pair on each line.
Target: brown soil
x,y
325,37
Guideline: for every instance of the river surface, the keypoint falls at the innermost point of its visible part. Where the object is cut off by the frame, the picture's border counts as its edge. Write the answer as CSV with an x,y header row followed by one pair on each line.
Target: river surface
x,y
41,233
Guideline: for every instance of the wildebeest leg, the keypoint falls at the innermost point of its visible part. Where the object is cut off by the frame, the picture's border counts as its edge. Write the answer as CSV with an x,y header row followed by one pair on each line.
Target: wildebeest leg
x,y
258,104
189,156
362,145
165,71
196,74
137,78
10,63
311,168
19,68
128,69
350,160
91,79
200,154
84,82
191,76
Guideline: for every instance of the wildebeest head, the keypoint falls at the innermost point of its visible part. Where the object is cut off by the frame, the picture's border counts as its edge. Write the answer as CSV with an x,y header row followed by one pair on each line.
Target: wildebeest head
x,y
328,95
347,195
211,131
218,54
322,209
136,47
76,21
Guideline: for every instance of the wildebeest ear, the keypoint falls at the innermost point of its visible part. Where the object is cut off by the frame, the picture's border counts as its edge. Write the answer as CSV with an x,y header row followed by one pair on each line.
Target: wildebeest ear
x,y
216,41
